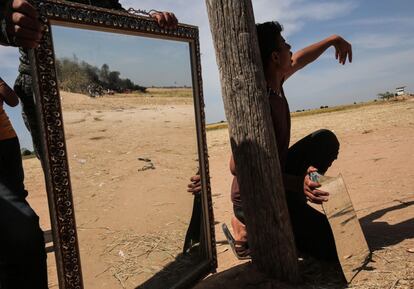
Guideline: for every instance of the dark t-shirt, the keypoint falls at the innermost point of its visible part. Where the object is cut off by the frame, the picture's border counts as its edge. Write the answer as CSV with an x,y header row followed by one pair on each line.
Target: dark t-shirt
x,y
279,108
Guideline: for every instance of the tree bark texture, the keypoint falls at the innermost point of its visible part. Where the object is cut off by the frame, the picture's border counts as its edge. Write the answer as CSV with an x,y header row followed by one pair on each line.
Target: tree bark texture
x,y
252,137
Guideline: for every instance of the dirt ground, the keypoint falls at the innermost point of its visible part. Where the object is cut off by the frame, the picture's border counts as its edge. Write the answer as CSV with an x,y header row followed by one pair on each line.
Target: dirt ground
x,y
130,159
376,161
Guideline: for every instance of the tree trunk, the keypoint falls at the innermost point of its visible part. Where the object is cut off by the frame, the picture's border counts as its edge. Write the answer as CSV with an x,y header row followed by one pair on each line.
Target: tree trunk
x,y
252,137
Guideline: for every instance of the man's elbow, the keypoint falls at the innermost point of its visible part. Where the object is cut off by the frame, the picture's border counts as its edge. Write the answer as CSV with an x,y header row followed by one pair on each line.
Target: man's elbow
x,y
13,103
298,64
233,169
232,166
11,99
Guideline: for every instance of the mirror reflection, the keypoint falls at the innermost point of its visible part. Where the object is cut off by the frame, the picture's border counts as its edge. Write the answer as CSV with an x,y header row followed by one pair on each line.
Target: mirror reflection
x,y
129,120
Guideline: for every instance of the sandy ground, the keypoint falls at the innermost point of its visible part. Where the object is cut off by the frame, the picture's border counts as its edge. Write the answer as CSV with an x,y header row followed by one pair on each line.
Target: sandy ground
x,y
376,160
130,159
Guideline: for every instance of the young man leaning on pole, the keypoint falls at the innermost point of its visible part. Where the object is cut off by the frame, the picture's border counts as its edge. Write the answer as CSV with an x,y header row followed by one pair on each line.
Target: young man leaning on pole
x,y
314,153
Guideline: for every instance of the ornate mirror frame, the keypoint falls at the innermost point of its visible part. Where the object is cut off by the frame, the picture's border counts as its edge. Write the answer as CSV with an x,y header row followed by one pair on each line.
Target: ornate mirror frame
x,y
55,161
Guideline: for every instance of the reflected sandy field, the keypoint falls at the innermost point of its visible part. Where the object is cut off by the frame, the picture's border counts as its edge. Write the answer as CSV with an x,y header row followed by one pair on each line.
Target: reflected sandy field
x,y
130,158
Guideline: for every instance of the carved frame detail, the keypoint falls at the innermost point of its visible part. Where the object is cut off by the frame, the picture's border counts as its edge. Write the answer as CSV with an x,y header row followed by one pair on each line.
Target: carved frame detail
x,y
55,159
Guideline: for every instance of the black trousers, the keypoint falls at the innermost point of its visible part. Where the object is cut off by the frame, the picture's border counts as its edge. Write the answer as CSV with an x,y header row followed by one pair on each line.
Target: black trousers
x,y
313,234
22,248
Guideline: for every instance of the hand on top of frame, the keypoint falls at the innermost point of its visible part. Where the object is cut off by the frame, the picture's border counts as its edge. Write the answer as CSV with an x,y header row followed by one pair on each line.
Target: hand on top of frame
x,y
310,189
343,49
23,25
165,19
7,94
195,186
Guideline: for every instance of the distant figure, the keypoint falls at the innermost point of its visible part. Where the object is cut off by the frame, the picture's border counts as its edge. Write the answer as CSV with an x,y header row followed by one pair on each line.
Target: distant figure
x,y
95,90
315,152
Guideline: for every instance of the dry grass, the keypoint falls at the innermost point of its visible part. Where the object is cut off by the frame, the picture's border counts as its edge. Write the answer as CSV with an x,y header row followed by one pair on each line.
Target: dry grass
x,y
168,92
121,101
335,108
218,125
223,124
130,256
389,269
156,93
28,156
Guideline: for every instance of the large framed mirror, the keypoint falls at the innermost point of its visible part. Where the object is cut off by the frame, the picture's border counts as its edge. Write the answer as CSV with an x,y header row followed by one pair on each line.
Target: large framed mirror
x,y
121,106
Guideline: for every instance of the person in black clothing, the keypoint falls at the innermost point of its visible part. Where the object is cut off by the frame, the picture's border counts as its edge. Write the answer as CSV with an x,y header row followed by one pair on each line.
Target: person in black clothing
x,y
22,249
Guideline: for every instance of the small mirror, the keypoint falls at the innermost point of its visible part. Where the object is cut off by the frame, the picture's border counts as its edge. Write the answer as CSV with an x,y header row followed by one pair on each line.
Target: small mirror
x,y
122,112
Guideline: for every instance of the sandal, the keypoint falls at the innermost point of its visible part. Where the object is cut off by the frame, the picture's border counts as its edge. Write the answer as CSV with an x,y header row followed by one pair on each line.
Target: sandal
x,y
240,248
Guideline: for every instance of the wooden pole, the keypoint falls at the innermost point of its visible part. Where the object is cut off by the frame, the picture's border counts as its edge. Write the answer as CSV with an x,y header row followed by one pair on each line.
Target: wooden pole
x,y
252,137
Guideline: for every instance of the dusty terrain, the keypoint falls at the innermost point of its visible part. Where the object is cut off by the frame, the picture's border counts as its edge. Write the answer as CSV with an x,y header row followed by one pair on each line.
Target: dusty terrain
x,y
376,160
130,159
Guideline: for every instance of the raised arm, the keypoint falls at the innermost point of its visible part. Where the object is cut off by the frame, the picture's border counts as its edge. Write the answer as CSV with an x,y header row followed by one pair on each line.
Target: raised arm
x,y
303,57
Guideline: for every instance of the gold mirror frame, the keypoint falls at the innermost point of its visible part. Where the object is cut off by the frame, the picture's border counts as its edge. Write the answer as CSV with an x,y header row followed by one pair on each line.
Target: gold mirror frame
x,y
55,160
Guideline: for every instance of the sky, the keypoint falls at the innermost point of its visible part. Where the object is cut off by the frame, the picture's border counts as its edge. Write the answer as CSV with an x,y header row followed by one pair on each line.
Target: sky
x,y
381,33
146,61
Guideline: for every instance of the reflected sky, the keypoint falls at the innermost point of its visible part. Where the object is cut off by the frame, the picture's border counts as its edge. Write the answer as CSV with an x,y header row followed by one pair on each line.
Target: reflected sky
x,y
146,61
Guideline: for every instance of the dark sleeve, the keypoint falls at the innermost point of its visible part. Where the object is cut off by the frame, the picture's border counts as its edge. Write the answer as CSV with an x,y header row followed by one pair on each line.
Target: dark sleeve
x,y
117,5
108,4
4,6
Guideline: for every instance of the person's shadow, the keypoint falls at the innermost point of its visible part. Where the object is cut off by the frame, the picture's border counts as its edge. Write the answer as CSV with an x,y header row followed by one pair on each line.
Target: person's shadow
x,y
380,234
